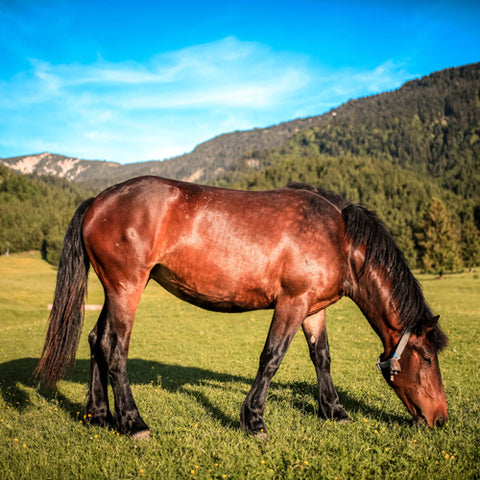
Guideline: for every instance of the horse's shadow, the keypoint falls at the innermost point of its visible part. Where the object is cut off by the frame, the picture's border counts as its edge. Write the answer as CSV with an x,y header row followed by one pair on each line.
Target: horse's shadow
x,y
16,376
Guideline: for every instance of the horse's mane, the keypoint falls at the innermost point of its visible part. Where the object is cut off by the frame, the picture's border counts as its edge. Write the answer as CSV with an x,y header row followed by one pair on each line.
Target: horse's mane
x,y
364,227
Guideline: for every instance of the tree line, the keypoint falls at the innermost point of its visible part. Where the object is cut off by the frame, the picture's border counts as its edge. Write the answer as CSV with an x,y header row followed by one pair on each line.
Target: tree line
x,y
34,212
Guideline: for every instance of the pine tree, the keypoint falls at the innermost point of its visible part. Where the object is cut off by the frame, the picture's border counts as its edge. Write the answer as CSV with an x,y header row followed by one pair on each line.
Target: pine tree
x,y
470,244
438,240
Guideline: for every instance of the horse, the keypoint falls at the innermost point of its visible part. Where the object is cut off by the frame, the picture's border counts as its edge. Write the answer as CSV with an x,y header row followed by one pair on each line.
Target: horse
x,y
295,250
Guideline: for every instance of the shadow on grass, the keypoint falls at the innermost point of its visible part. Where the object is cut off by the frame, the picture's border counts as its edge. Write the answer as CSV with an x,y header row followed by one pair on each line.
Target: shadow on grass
x,y
16,377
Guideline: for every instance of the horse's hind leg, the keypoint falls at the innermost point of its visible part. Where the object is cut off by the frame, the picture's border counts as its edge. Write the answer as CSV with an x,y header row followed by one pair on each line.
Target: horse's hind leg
x,y
110,339
315,332
97,411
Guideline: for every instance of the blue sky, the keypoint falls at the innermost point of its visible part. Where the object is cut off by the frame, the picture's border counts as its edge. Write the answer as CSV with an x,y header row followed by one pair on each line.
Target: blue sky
x,y
140,80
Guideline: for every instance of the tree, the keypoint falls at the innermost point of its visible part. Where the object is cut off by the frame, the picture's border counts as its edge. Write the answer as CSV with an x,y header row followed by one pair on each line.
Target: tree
x,y
438,240
34,212
470,244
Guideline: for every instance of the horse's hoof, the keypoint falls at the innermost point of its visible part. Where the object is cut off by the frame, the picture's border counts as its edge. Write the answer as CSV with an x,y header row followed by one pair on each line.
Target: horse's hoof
x,y
105,421
258,434
141,435
341,417
261,435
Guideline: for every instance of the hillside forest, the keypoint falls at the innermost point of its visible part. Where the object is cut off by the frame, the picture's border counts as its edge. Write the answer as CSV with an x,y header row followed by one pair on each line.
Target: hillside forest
x,y
34,212
412,155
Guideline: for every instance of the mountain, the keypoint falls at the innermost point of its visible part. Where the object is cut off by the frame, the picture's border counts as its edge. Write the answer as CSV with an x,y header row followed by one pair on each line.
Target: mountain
x,y
429,125
204,164
71,168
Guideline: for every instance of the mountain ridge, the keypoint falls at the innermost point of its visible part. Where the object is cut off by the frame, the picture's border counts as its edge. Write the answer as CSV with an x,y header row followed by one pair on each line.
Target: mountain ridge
x,y
419,125
203,163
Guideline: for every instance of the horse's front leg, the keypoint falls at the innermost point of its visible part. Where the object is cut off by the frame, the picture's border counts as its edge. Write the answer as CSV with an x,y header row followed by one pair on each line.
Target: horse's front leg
x,y
315,332
287,319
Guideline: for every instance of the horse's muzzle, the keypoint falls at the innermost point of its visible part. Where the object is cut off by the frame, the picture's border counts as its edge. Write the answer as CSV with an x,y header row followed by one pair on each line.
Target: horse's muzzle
x,y
439,421
435,422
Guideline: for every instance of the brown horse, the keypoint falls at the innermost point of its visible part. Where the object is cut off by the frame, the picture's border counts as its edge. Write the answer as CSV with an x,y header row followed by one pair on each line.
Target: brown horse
x,y
296,250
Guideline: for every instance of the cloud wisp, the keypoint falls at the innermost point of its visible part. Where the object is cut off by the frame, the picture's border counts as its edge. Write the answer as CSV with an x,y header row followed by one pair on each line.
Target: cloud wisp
x,y
130,111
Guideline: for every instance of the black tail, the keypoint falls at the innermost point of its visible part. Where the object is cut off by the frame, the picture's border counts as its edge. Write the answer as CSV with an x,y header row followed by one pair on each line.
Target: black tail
x,y
66,317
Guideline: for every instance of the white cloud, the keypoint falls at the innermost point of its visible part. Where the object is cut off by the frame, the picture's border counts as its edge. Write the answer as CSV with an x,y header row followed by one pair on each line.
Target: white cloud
x,y
130,111
334,87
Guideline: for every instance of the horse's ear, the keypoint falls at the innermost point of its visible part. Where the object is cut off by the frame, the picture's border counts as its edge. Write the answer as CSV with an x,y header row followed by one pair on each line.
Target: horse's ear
x,y
432,323
437,337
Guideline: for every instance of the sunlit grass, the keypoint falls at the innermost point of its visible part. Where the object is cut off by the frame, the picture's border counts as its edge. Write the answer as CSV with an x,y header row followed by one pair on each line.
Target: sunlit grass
x,y
190,371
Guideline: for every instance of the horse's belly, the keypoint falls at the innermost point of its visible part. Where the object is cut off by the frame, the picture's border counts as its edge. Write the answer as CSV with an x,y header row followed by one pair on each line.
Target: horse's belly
x,y
217,289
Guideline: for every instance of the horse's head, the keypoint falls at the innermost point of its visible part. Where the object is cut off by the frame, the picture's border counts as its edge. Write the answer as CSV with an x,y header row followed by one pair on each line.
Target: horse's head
x,y
414,373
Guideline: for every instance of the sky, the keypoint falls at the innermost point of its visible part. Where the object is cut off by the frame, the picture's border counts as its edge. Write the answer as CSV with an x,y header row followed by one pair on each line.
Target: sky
x,y
129,81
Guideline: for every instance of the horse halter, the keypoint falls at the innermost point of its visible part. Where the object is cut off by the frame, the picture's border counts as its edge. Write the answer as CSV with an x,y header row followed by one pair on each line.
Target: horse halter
x,y
392,365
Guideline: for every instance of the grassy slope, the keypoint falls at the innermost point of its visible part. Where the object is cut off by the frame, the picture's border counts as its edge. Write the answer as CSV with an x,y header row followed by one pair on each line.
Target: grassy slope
x,y
190,371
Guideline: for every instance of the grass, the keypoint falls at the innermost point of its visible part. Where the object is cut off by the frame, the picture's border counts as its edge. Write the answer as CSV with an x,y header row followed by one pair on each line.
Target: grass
x,y
190,371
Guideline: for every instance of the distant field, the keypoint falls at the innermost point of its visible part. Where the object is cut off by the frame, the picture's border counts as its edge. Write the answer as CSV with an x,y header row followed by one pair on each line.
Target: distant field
x,y
190,371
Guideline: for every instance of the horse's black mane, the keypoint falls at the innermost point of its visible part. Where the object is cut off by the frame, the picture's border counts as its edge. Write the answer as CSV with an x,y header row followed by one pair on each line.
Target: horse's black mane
x,y
332,197
365,228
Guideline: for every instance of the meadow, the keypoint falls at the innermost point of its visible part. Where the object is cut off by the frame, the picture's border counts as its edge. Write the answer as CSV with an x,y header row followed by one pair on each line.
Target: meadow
x,y
190,371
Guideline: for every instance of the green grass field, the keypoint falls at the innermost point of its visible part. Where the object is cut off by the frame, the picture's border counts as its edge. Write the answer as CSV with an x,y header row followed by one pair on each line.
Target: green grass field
x,y
190,371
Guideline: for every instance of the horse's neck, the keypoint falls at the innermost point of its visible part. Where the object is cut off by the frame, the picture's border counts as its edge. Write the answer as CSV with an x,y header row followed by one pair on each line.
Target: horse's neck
x,y
374,298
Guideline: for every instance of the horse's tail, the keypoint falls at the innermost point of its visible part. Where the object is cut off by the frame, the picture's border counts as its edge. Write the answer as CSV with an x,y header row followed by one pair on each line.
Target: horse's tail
x,y
66,316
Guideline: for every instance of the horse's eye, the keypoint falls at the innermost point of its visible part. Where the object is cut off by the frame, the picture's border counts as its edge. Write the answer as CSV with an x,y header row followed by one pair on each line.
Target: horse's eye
x,y
426,360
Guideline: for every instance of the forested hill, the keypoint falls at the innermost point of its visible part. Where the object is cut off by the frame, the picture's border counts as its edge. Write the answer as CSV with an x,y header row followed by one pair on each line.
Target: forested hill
x,y
203,165
430,126
34,212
